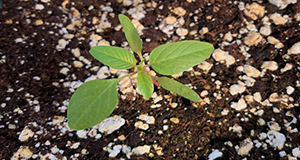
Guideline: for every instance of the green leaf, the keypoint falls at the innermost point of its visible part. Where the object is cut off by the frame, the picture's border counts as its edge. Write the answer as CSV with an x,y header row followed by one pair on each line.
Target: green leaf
x,y
115,57
175,57
92,102
131,34
176,87
145,84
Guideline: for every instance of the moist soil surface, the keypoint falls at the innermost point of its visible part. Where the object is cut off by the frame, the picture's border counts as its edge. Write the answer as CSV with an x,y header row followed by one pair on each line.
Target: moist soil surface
x,y
38,41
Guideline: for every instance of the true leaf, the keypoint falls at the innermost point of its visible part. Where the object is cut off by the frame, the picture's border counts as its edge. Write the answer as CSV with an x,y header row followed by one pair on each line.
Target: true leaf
x,y
176,87
131,34
145,84
175,57
92,102
115,57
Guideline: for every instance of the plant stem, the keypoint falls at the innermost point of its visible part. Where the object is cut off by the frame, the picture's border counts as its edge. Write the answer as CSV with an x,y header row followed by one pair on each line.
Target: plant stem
x,y
140,56
148,65
155,82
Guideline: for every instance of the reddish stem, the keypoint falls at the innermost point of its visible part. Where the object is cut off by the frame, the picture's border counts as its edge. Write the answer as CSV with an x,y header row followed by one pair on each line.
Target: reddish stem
x,y
155,82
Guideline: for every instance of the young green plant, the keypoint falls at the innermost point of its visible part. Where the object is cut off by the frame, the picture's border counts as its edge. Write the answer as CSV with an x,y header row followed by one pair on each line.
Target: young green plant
x,y
95,100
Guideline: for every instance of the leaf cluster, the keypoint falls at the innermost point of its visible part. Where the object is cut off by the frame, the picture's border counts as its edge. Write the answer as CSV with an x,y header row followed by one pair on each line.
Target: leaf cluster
x,y
95,100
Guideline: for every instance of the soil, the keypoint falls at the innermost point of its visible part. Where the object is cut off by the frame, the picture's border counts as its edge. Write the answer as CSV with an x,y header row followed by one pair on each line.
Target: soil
x,y
33,93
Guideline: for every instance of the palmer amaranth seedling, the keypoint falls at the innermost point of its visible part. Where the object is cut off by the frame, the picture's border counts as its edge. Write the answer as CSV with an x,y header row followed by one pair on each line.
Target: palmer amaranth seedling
x,y
95,100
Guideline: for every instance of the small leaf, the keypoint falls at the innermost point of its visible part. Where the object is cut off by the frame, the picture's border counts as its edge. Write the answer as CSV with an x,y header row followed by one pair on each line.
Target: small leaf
x,y
176,87
92,102
175,57
131,34
145,84
115,57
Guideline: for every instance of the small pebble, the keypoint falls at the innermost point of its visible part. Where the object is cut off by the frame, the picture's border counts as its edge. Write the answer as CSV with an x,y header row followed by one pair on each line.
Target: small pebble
x,y
115,151
122,137
127,2
204,30
47,156
54,149
297,17
165,127
254,11
274,126
181,31
282,153
75,14
38,22
276,139
251,27
236,89
220,55
270,65
61,44
140,150
147,119
287,67
237,128
282,4
26,134
57,120
179,11
12,126
174,120
251,71
69,36
39,7
260,112
204,93
262,136
224,112
78,64
278,19
290,90
274,97
261,121
205,66
76,52
170,20
22,153
274,41
295,49
245,147
73,25
265,30
253,38
75,145
174,105
111,124
157,98
257,97
103,72
141,125
240,105
81,133
215,154
296,152
228,37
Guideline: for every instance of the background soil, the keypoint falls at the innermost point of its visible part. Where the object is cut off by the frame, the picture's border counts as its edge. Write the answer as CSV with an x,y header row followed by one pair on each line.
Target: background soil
x,y
33,94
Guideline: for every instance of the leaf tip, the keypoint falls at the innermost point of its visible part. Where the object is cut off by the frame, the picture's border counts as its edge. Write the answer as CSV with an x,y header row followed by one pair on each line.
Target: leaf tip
x,y
196,100
121,16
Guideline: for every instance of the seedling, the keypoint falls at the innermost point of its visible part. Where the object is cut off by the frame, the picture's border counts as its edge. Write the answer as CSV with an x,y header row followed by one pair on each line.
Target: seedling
x,y
95,100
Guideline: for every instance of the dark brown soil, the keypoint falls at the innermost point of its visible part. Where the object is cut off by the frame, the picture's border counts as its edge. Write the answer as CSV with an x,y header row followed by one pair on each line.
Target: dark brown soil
x,y
200,129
